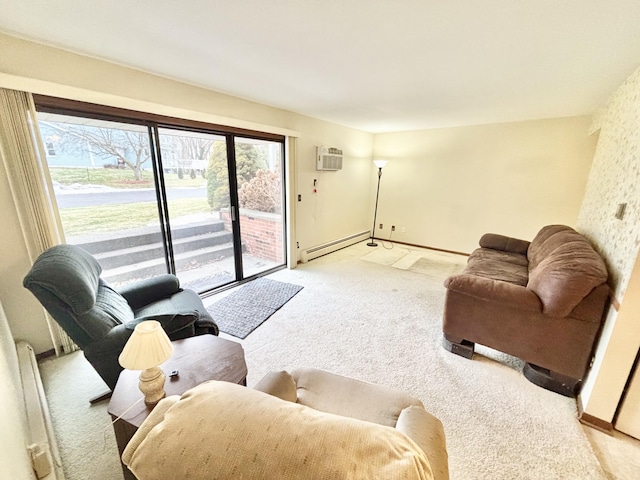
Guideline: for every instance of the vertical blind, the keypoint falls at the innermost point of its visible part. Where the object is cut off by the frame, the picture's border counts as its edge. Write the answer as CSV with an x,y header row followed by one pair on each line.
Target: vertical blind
x,y
22,153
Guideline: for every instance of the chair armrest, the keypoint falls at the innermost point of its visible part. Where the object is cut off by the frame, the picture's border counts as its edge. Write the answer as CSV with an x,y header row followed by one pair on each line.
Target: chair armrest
x,y
503,243
428,433
498,291
171,322
150,290
279,384
155,417
112,342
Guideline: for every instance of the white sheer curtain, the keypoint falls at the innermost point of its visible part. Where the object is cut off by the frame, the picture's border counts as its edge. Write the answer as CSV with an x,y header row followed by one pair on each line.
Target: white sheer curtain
x,y
23,155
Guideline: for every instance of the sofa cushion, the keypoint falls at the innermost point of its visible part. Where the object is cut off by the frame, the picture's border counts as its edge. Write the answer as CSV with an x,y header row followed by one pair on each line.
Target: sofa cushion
x,y
498,265
350,397
490,255
566,276
223,430
495,241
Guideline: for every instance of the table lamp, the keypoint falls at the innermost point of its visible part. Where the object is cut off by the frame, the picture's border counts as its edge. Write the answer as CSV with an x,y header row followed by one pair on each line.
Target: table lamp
x,y
147,348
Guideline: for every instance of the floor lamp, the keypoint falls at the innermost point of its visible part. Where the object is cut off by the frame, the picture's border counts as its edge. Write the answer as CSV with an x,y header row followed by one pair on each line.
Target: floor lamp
x,y
379,164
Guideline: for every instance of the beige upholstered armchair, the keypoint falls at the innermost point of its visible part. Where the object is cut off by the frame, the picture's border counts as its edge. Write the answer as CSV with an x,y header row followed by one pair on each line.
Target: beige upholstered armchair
x,y
299,425
348,397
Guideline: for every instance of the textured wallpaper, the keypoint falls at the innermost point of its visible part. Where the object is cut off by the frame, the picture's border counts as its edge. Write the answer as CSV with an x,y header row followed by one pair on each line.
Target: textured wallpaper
x,y
615,179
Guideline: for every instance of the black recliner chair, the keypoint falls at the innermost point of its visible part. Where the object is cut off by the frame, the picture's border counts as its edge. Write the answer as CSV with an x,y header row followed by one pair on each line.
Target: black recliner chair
x,y
99,319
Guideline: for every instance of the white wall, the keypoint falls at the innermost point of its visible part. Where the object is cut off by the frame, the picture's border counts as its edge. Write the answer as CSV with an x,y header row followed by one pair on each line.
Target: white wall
x,y
340,207
446,187
342,201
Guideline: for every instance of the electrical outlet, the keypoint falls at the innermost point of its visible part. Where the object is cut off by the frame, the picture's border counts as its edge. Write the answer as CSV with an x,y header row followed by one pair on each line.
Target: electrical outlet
x,y
403,230
380,226
393,228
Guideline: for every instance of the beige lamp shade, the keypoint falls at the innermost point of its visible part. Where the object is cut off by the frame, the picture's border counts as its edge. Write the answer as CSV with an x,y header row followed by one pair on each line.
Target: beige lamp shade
x,y
147,347
380,163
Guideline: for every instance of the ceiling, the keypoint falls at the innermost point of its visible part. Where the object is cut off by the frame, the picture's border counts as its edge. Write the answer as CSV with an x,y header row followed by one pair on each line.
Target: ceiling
x,y
376,65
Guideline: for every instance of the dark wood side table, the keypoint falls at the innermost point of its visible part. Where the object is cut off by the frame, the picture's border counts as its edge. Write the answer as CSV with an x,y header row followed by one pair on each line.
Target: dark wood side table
x,y
197,359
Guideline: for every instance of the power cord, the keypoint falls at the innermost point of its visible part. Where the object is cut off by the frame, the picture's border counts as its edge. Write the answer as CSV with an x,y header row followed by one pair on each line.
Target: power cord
x,y
127,410
388,240
106,430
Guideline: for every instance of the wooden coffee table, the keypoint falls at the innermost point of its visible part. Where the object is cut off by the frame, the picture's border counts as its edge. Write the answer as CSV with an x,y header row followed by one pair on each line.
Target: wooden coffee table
x,y
197,360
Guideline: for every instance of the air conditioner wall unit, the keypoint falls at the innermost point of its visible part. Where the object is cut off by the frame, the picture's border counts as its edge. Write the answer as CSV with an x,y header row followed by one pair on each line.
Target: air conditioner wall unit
x,y
328,158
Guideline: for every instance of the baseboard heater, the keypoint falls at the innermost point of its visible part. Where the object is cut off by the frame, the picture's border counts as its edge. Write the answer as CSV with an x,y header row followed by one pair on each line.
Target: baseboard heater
x,y
43,447
325,248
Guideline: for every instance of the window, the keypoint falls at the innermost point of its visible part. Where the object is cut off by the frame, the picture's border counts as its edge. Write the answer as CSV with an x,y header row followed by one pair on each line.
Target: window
x,y
148,195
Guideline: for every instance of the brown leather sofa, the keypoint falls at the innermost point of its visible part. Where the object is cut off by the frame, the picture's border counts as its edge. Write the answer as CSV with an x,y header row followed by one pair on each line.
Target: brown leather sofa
x,y
541,301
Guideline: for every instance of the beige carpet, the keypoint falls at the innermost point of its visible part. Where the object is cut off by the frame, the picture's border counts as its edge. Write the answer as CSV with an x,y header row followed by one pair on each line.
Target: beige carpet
x,y
373,315
433,263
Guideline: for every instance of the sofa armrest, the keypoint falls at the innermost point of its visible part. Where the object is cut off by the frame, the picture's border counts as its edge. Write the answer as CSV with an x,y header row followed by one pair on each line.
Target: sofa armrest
x,y
150,290
503,243
506,293
428,433
279,384
155,417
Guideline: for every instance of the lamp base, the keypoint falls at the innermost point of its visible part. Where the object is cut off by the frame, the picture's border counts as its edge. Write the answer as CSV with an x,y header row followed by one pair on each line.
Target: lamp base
x,y
372,244
152,385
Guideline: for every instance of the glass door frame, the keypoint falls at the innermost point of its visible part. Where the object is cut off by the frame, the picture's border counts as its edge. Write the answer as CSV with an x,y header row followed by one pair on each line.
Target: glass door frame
x,y
234,206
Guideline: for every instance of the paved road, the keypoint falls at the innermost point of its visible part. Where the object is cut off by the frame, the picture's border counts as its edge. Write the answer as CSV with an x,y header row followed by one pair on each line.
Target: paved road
x,y
86,199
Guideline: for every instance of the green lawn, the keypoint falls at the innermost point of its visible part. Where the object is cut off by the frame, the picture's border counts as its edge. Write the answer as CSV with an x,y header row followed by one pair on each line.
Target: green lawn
x,y
87,220
117,178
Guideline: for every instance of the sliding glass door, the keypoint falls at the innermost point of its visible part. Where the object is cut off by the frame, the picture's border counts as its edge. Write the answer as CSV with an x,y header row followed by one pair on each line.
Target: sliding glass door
x,y
203,249
260,198
106,193
147,198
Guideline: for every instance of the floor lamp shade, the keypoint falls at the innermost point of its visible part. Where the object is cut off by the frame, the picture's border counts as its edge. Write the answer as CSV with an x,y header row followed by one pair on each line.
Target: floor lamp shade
x,y
147,348
380,164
